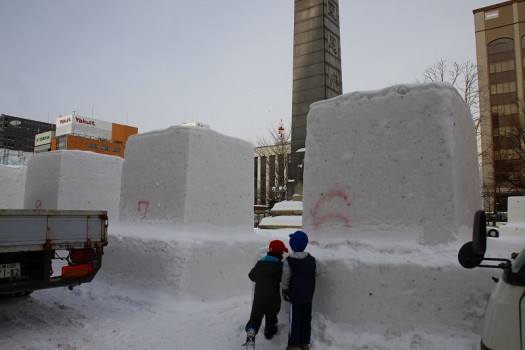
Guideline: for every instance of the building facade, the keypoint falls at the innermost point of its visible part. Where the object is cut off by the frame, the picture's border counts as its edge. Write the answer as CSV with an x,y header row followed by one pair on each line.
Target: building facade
x,y
75,132
500,49
271,165
18,134
316,70
17,137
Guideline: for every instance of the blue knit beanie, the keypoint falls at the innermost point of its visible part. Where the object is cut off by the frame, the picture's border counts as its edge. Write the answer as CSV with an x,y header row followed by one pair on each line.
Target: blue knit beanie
x,y
298,241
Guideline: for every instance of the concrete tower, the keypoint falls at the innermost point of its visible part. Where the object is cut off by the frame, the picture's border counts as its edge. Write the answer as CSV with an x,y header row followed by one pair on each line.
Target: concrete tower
x,y
316,70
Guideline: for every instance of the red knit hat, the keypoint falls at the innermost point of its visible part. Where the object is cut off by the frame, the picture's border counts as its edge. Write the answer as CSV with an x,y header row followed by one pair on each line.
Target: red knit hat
x,y
278,247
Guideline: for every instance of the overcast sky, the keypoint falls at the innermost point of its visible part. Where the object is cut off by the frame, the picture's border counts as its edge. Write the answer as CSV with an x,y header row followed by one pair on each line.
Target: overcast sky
x,y
228,63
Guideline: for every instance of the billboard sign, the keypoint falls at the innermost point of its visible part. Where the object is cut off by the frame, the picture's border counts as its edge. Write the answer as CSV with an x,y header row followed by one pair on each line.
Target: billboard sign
x,y
82,126
44,138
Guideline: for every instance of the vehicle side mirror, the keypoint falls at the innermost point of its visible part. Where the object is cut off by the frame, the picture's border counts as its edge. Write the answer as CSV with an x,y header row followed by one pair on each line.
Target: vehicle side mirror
x,y
472,253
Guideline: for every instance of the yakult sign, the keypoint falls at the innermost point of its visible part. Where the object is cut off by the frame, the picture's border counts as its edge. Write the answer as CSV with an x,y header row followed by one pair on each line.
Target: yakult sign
x,y
78,125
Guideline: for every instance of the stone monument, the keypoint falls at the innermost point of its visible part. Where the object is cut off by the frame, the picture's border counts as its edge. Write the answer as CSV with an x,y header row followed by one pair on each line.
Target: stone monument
x,y
316,71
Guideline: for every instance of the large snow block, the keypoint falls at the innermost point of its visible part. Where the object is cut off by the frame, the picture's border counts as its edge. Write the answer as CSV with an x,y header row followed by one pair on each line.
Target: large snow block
x,y
12,186
186,176
75,180
516,210
400,162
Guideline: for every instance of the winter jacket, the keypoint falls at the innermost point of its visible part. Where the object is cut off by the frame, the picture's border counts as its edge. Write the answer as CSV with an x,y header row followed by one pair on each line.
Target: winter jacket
x,y
267,274
299,270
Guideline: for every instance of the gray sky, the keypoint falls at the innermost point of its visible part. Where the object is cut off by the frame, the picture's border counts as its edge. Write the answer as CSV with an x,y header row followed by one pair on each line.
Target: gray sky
x,y
157,63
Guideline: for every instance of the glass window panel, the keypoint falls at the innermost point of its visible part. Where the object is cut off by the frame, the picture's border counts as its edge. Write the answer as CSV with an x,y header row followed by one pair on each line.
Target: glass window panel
x,y
500,45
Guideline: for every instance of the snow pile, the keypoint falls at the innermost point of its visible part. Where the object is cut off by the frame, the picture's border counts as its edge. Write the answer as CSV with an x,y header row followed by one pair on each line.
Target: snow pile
x,y
516,210
12,186
73,180
188,176
515,225
398,159
288,206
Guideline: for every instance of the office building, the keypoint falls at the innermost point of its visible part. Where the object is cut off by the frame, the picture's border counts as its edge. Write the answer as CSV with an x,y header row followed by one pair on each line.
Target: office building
x,y
500,48
75,132
17,138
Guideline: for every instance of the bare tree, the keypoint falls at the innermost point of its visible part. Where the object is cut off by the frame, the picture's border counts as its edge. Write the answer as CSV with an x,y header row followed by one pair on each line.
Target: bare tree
x,y
274,151
464,77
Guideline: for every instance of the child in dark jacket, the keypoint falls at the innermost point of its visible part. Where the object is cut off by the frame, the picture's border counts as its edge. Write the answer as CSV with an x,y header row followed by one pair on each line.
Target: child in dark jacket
x,y
266,274
298,284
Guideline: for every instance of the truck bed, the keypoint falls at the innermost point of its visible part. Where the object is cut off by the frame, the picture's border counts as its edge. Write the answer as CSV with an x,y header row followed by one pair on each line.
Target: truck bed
x,y
33,230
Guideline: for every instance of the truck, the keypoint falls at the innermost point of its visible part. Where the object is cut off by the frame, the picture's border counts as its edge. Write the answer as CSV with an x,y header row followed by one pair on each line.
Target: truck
x,y
42,249
504,324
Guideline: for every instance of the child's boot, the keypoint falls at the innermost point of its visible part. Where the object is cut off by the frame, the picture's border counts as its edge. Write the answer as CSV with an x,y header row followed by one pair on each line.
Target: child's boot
x,y
270,330
250,339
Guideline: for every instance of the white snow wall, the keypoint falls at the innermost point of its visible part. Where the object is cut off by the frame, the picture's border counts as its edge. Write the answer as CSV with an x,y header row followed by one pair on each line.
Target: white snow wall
x,y
73,180
185,176
401,159
516,210
389,173
12,186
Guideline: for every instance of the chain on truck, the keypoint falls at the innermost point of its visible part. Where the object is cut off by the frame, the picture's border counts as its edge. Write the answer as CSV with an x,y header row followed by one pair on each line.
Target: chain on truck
x,y
35,243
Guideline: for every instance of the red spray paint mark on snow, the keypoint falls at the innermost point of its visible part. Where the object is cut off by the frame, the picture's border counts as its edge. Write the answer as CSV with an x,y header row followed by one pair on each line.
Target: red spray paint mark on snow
x,y
320,218
38,204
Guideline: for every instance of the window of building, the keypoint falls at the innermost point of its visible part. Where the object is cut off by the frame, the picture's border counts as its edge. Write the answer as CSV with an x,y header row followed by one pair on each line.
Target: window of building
x,y
93,146
503,88
116,149
502,66
104,148
502,45
505,109
62,143
505,131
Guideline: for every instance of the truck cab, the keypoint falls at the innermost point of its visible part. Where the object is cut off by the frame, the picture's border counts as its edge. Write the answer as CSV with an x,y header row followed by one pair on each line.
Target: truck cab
x,y
504,324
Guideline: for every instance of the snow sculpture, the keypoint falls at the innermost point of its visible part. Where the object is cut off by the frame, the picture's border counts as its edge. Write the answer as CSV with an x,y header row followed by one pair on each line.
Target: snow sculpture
x,y
75,180
188,176
12,186
401,160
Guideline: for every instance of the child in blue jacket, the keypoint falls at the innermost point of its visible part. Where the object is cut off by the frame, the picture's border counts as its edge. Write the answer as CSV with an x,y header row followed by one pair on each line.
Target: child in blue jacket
x,y
298,284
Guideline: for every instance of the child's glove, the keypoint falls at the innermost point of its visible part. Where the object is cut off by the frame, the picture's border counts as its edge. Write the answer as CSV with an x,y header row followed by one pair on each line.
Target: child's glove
x,y
285,295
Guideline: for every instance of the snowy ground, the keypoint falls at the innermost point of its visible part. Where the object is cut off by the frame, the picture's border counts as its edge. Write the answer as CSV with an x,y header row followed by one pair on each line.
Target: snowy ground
x,y
158,293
